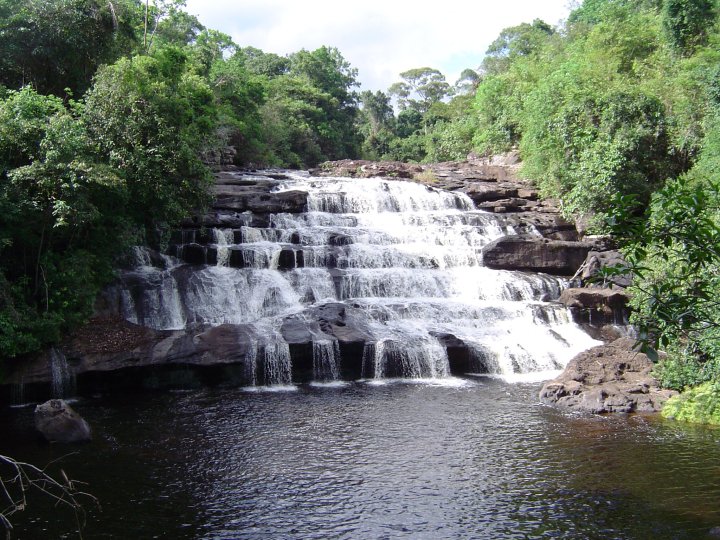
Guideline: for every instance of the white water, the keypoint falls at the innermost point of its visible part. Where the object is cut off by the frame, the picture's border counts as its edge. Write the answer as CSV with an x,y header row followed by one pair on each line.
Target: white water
x,y
62,384
406,260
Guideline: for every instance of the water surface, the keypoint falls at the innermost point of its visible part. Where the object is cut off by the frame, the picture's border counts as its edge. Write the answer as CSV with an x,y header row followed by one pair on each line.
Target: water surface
x,y
476,459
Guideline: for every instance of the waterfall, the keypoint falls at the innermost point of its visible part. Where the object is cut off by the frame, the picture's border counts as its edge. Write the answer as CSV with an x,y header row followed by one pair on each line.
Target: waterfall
x,y
276,363
268,362
223,239
403,259
326,360
63,378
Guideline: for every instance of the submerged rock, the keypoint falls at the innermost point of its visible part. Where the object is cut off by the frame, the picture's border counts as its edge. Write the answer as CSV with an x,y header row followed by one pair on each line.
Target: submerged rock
x,y
58,422
609,378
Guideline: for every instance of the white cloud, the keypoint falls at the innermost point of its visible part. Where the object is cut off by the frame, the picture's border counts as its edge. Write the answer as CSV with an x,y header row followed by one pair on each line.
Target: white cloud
x,y
381,38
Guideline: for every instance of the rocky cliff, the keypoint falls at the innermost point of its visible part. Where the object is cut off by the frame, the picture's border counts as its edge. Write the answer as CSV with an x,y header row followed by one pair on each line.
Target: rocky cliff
x,y
110,347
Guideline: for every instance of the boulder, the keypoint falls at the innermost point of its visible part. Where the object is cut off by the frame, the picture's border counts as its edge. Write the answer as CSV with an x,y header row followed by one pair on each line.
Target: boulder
x,y
535,254
292,201
596,306
58,422
596,260
609,378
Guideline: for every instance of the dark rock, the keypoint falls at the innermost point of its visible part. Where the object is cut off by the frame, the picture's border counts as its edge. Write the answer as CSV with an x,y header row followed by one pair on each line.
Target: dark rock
x,y
596,261
339,240
293,201
608,378
550,225
58,422
193,254
532,253
486,192
236,258
460,358
596,306
290,259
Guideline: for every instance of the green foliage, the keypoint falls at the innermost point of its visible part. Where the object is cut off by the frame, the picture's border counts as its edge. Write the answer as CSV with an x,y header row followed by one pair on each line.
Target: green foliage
x,y
498,107
700,405
681,369
687,22
258,62
420,89
59,207
151,118
467,83
169,24
593,150
310,112
376,123
239,95
517,41
674,251
58,44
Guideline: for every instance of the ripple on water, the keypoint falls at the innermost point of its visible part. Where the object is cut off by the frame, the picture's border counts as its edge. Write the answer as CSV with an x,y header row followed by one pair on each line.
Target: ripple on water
x,y
477,460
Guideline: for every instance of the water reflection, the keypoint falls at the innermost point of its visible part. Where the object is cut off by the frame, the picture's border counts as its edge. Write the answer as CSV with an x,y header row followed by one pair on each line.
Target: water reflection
x,y
480,460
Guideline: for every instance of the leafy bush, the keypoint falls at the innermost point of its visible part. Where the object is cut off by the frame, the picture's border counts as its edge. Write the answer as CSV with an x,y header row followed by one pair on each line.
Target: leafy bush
x,y
700,405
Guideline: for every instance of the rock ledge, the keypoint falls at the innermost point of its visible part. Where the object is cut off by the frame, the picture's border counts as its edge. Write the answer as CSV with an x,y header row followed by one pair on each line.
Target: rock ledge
x,y
608,378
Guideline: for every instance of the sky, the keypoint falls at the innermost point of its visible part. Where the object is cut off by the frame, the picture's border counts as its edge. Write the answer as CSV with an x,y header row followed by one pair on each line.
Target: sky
x,y
381,38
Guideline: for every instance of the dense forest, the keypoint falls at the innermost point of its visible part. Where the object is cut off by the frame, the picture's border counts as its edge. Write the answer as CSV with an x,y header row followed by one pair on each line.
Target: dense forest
x,y
110,113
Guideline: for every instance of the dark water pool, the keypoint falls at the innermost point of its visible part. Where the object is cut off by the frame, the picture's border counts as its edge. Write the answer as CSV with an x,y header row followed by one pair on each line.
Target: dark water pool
x,y
479,460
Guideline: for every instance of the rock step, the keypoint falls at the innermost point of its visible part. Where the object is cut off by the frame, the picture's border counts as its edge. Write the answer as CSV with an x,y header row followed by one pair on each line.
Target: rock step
x,y
609,378
535,254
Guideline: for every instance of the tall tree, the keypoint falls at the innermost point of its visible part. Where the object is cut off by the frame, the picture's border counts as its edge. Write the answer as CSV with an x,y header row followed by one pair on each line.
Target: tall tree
x,y
514,42
420,88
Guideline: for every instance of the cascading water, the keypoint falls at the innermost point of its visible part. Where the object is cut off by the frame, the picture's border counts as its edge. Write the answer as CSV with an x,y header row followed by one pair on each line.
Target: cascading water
x,y
405,262
326,360
63,379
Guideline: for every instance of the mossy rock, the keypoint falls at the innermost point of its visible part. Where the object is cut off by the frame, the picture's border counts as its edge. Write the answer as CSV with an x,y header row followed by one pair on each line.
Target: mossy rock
x,y
699,405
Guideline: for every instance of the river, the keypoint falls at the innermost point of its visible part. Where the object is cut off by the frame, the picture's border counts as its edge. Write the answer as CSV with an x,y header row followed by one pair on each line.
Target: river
x,y
459,458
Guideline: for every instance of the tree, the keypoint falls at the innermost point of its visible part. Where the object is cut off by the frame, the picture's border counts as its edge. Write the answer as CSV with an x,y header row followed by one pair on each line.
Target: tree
x,y
55,45
209,48
261,63
376,123
152,118
169,24
325,81
420,88
467,83
239,95
60,205
516,41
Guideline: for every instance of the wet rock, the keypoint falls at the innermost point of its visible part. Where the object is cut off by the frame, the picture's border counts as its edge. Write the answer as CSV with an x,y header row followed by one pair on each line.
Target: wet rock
x,y
58,422
596,306
487,192
290,259
596,261
192,254
536,254
608,378
293,201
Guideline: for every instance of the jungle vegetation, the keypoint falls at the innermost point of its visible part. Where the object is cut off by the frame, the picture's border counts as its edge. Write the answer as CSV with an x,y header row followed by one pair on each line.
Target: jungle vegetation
x,y
110,112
